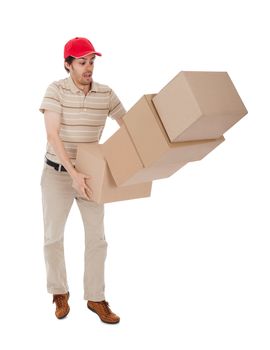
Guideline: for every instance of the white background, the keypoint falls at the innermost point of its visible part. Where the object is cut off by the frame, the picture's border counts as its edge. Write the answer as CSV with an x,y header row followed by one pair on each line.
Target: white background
x,y
187,268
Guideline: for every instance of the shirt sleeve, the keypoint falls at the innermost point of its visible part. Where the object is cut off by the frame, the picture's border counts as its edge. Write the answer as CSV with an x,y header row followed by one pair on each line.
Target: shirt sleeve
x,y
116,110
51,100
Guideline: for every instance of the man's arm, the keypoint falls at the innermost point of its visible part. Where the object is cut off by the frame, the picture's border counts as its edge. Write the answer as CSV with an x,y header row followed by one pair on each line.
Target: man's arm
x,y
52,124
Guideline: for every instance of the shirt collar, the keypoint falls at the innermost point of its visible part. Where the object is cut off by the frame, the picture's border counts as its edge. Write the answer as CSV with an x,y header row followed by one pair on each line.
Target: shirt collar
x,y
71,85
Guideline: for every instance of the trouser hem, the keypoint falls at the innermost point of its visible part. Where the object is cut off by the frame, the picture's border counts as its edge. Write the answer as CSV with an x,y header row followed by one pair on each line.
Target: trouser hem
x,y
94,297
57,291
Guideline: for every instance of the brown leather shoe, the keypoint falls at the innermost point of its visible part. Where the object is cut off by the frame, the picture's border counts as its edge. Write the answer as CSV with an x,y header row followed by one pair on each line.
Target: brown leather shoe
x,y
101,308
61,302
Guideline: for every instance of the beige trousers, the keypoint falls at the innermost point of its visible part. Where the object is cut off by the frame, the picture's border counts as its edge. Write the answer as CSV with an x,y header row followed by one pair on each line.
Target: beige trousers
x,y
57,198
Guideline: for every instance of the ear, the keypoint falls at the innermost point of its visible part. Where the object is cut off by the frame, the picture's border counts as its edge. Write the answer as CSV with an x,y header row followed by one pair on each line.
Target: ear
x,y
67,65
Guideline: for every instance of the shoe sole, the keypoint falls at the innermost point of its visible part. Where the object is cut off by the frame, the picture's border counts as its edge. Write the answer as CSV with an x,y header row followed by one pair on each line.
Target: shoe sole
x,y
100,317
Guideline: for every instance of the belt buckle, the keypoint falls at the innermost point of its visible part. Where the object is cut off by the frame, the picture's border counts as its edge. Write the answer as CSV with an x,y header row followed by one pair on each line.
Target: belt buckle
x,y
59,168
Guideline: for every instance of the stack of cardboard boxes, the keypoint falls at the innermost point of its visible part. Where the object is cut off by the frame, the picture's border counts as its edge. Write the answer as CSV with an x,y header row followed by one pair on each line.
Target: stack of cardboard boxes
x,y
161,133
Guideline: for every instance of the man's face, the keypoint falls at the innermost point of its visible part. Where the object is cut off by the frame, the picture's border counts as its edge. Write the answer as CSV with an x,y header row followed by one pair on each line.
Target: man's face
x,y
81,69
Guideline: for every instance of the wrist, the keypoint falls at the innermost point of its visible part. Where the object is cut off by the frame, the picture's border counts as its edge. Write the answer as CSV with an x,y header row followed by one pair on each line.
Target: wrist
x,y
72,172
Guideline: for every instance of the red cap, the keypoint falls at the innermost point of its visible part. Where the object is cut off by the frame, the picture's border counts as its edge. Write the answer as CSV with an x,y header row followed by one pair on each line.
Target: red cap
x,y
79,47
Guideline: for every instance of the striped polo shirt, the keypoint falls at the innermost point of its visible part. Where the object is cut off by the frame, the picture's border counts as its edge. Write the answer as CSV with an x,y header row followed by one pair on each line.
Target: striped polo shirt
x,y
82,117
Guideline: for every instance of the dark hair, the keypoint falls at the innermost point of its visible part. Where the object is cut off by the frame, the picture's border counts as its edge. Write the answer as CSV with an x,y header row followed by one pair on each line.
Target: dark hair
x,y
69,60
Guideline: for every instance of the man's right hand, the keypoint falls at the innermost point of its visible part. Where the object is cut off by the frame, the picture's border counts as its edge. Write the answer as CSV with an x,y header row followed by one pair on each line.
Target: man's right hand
x,y
79,184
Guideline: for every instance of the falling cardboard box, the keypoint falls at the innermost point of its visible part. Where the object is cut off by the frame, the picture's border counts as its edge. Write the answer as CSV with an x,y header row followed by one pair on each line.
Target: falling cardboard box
x,y
141,150
199,106
90,161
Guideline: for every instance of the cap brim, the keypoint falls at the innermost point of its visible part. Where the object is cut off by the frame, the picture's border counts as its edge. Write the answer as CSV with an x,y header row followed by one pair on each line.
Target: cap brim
x,y
88,53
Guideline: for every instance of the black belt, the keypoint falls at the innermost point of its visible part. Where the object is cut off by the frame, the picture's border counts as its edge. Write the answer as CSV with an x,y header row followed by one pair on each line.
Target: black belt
x,y
56,166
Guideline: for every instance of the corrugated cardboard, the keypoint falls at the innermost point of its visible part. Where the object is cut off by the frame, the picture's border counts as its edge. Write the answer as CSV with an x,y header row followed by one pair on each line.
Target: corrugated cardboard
x,y
126,165
90,161
198,106
141,150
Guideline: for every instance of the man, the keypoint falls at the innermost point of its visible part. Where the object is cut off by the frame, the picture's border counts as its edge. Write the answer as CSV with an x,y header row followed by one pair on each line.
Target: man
x,y
75,110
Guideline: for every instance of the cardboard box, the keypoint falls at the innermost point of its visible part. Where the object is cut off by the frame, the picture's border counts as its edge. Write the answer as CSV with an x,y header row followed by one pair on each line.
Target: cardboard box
x,y
141,150
90,161
126,165
199,106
